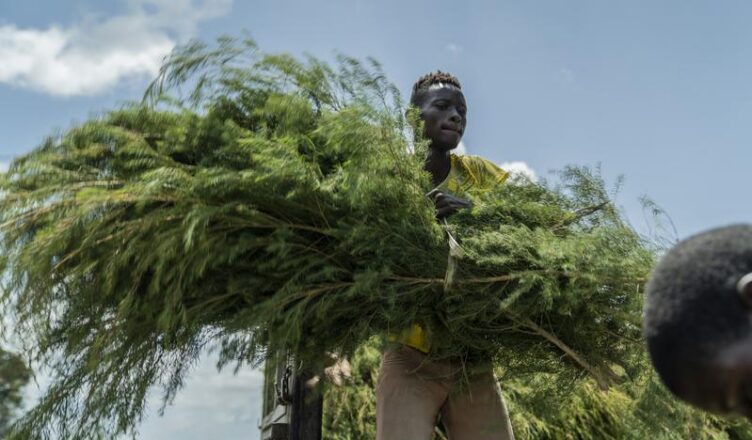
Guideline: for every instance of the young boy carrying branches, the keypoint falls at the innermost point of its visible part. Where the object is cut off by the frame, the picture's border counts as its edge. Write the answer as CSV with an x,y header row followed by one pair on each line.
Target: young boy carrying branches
x,y
413,390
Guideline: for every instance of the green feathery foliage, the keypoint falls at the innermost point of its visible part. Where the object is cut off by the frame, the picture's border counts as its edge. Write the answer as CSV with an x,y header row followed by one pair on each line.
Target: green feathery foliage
x,y
276,206
259,218
14,375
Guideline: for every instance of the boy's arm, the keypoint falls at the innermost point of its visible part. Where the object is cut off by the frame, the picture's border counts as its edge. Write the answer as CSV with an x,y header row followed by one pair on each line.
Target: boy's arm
x,y
483,175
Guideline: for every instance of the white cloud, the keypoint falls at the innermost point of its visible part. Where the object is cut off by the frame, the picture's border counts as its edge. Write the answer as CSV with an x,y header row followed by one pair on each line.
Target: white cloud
x,y
564,76
461,149
95,54
3,167
454,49
519,170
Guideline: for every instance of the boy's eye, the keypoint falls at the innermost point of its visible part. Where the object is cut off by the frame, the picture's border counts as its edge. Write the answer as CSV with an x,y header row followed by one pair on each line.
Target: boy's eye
x,y
441,105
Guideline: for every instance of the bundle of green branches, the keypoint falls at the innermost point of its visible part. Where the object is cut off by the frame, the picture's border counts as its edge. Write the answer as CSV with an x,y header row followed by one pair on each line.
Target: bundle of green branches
x,y
280,205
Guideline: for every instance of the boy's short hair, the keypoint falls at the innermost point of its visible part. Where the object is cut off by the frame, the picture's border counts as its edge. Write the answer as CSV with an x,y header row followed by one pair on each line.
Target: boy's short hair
x,y
434,78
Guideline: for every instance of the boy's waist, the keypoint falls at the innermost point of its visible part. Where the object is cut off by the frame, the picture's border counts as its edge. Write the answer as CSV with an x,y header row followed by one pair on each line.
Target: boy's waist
x,y
414,336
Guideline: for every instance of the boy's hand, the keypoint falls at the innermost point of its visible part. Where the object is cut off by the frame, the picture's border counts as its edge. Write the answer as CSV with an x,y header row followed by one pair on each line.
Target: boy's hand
x,y
447,204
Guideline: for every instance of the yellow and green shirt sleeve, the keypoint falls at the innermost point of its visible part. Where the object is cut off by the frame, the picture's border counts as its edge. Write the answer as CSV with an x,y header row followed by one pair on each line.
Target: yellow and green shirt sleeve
x,y
472,173
467,173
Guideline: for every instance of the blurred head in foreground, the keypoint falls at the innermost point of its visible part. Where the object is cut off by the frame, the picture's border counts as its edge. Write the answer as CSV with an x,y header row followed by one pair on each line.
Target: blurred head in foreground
x,y
698,320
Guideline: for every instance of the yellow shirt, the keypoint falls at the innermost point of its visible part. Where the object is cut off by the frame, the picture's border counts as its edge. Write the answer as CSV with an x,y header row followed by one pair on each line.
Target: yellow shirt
x,y
466,173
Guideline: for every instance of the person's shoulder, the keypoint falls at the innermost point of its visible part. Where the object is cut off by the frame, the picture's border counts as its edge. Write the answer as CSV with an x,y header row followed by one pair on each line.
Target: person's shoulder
x,y
483,169
476,161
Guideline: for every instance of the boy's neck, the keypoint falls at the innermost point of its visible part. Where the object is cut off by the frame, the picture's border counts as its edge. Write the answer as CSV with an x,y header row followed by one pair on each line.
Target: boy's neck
x,y
438,163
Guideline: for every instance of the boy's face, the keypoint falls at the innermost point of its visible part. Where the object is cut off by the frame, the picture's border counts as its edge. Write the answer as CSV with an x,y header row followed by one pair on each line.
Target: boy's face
x,y
444,114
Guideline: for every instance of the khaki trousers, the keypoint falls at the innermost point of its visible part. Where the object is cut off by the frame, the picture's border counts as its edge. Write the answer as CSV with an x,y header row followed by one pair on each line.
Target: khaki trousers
x,y
412,391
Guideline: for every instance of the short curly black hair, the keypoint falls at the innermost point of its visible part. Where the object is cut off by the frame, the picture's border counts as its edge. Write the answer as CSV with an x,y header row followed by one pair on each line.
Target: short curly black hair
x,y
692,308
427,80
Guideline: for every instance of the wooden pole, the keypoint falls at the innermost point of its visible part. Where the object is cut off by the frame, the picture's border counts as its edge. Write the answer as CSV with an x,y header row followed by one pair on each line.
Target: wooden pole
x,y
307,409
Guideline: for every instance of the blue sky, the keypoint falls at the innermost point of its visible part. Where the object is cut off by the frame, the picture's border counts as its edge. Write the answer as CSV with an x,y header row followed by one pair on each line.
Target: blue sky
x,y
656,91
